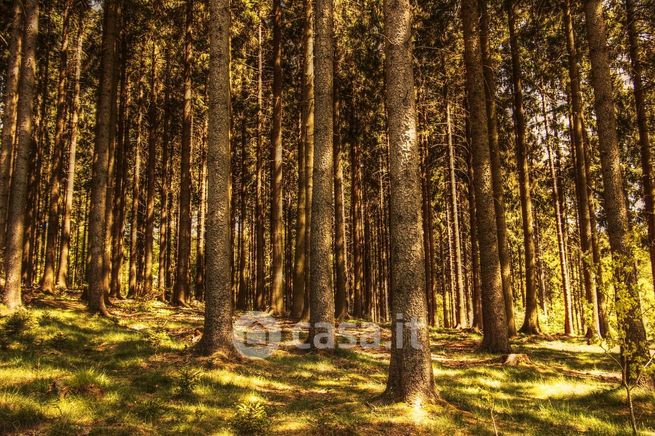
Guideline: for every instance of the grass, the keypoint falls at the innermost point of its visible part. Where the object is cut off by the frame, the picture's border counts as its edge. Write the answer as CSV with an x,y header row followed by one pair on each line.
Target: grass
x,y
63,371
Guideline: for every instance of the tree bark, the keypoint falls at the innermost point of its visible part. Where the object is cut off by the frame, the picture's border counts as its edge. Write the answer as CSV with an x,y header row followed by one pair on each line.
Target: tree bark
x,y
277,213
410,369
134,285
582,193
259,206
300,274
73,127
642,124
495,338
18,198
9,120
496,168
635,349
153,145
341,264
531,320
321,330
217,334
181,287
56,170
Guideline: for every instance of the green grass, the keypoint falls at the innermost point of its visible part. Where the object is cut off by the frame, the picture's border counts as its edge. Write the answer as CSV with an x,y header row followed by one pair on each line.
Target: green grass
x,y
63,371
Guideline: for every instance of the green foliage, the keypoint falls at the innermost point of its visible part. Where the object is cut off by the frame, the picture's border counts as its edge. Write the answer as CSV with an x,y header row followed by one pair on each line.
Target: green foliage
x,y
187,379
17,327
250,418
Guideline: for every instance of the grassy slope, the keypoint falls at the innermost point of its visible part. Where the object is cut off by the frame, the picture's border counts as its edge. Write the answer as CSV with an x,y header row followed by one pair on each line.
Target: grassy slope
x,y
72,373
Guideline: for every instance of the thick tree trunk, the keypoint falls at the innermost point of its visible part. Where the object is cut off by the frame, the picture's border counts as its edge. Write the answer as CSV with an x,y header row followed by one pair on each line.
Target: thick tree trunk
x,y
582,192
531,320
475,252
56,171
18,198
321,330
277,213
493,313
410,369
73,128
642,124
9,119
181,288
496,168
300,270
218,299
629,314
97,216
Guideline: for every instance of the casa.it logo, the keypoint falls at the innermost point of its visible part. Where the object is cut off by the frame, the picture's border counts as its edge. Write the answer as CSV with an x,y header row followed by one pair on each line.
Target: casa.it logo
x,y
256,335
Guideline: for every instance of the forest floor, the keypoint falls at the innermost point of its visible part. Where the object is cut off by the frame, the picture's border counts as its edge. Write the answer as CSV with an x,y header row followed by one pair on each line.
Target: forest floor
x,y
63,371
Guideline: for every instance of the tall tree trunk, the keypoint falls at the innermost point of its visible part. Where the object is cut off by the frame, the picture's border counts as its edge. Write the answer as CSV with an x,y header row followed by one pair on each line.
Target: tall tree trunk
x,y
73,128
531,320
165,215
582,192
121,178
559,223
493,313
135,260
202,218
460,299
218,300
9,119
496,168
410,369
259,201
56,171
475,252
181,288
357,232
629,313
300,272
341,264
321,330
153,145
18,198
642,124
277,223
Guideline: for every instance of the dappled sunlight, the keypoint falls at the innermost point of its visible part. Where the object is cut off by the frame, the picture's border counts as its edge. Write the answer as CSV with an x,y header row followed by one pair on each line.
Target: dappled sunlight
x,y
61,378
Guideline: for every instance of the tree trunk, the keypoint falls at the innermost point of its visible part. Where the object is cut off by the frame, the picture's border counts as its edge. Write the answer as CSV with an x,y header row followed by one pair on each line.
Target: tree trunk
x,y
642,124
341,264
559,223
307,136
321,330
629,312
581,178
121,178
259,206
277,222
460,299
410,369
73,127
217,333
357,232
475,253
493,313
181,288
134,285
496,169
531,320
56,171
18,197
9,119
153,145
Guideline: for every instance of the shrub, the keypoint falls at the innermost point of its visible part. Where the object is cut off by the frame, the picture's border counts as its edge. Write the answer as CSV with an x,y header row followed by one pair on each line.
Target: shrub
x,y
250,418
